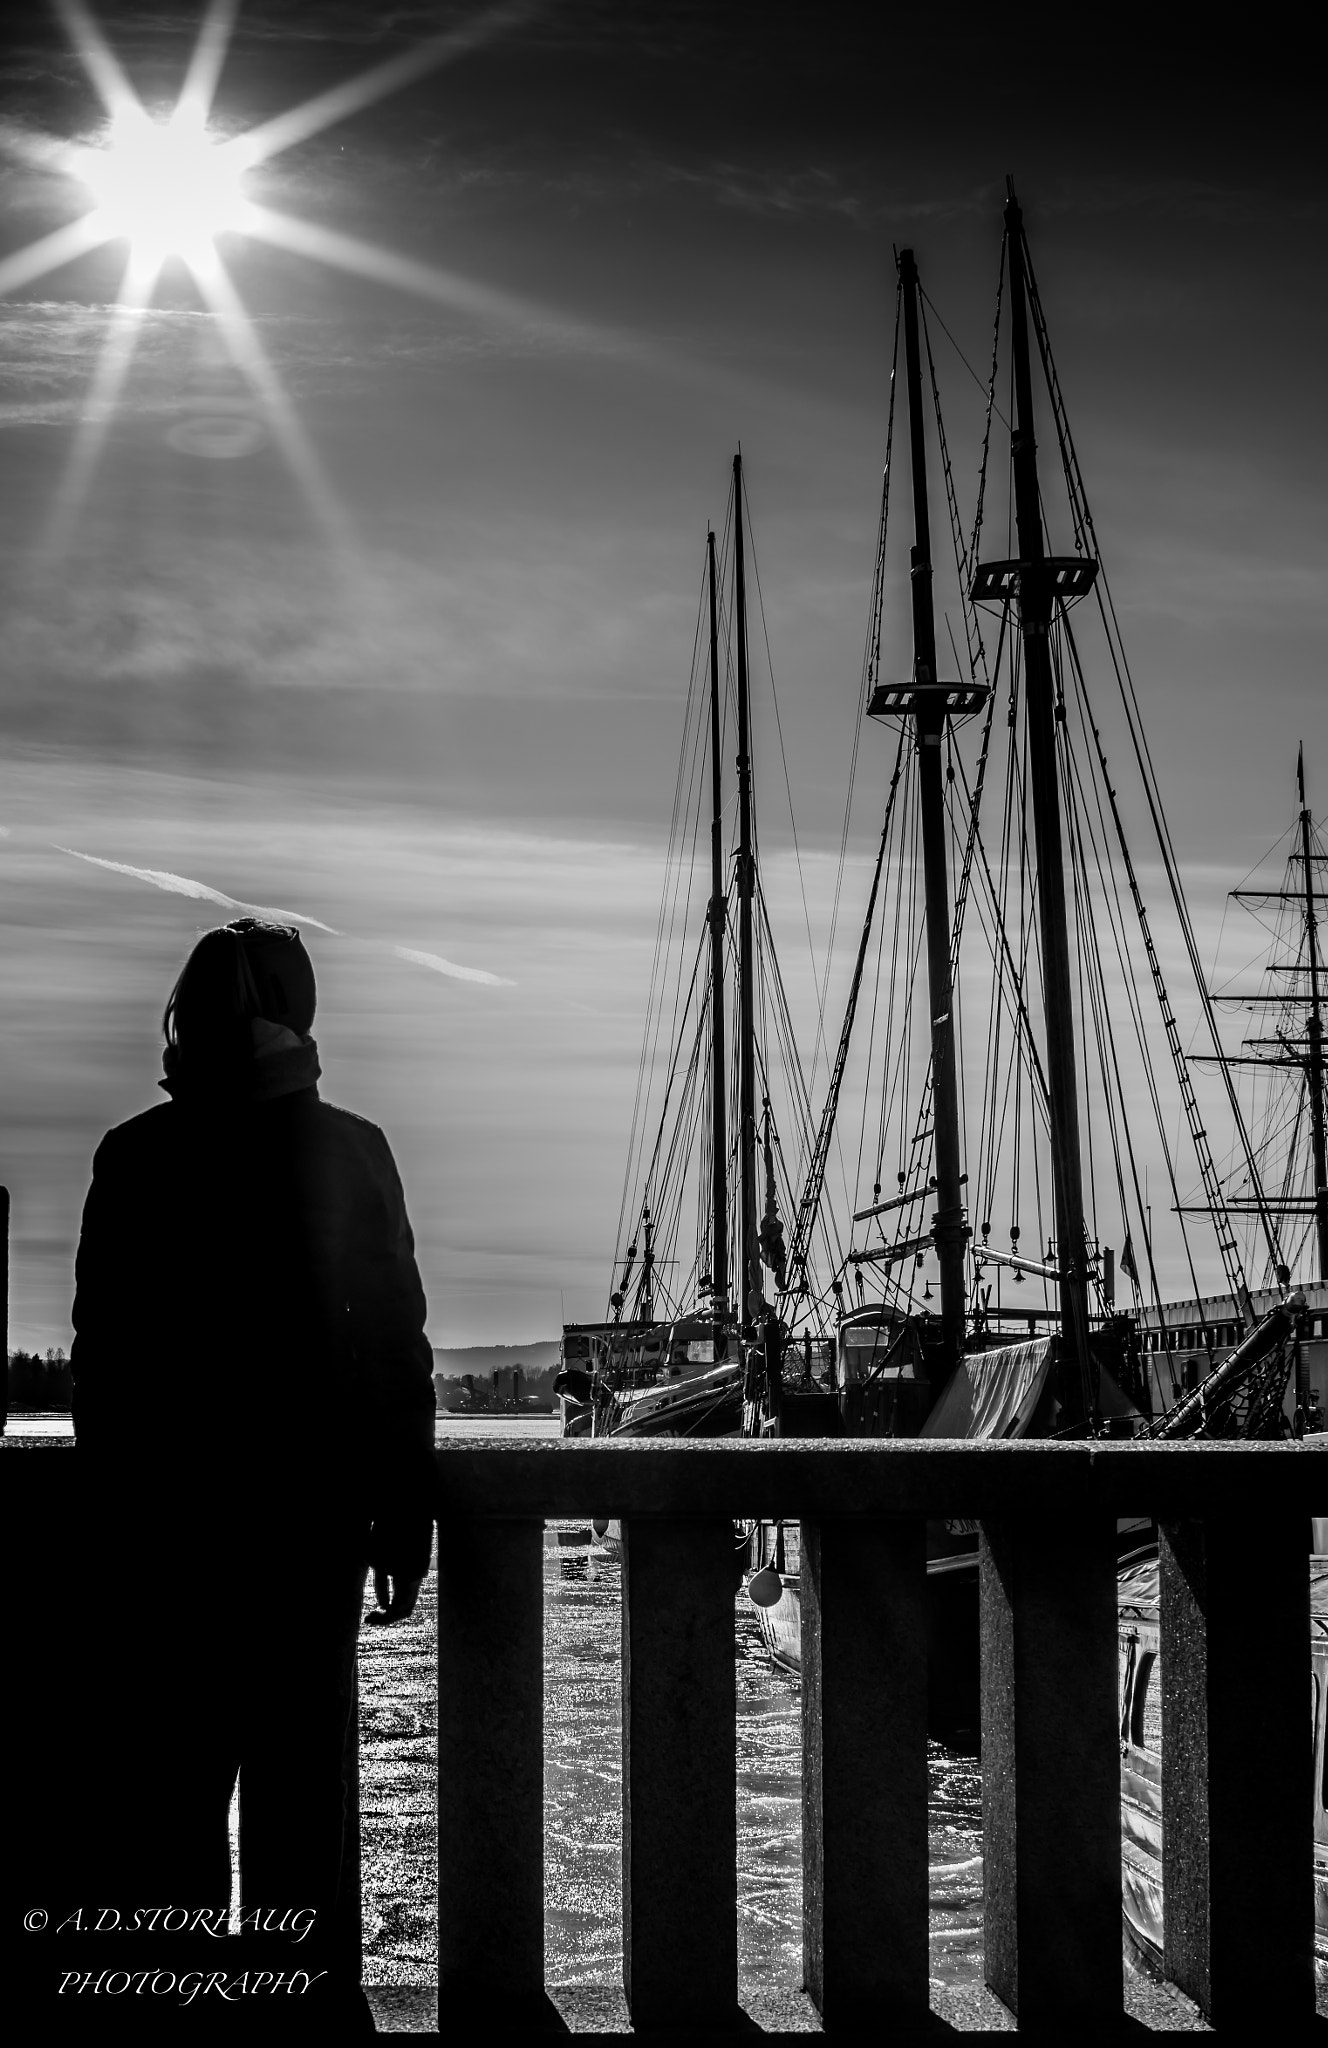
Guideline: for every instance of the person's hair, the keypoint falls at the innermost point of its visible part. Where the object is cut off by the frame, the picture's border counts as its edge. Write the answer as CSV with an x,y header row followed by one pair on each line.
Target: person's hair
x,y
237,972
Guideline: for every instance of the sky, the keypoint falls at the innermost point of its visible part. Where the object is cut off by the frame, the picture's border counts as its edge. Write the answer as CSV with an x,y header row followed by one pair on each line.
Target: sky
x,y
378,610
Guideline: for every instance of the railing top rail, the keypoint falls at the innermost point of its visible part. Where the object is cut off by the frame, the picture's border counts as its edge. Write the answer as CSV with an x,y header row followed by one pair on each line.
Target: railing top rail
x,y
502,1479
827,1477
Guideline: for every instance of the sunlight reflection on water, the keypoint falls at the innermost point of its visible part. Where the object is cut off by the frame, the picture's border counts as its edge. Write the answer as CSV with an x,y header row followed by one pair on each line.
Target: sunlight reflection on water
x,y
583,1798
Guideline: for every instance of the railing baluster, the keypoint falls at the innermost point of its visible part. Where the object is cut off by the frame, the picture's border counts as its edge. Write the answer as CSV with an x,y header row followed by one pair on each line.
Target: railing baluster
x,y
1051,1769
864,1770
490,1771
680,1820
1237,1766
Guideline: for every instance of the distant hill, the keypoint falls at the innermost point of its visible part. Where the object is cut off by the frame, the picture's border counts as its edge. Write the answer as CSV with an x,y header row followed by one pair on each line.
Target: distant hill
x,y
482,1358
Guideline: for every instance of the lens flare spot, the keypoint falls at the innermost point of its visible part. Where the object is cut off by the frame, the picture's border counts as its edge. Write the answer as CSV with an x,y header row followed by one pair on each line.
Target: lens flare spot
x,y
221,438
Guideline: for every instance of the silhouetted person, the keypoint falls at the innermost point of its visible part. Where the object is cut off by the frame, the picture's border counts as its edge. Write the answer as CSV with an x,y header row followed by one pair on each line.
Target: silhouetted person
x,y
253,1397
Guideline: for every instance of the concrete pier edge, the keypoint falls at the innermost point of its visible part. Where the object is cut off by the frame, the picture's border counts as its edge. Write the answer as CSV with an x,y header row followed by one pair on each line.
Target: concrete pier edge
x,y
598,2013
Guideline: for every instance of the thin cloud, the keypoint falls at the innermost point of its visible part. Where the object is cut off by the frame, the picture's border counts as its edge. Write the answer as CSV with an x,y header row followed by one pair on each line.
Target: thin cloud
x,y
441,966
183,885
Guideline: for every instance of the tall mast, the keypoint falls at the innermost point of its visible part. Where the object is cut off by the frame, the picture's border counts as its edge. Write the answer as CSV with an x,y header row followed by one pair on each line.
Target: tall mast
x,y
1035,614
719,1136
1314,1028
749,1251
929,715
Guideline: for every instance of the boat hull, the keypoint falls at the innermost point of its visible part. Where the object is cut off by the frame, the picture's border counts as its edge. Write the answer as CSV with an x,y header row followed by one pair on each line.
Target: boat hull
x,y
700,1405
952,1639
953,1690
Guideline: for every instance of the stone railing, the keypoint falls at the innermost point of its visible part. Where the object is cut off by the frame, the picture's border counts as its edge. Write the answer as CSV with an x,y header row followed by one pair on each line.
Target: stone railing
x,y
1236,1740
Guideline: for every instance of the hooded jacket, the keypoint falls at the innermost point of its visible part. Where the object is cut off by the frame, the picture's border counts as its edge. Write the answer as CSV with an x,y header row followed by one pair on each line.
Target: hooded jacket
x,y
249,1320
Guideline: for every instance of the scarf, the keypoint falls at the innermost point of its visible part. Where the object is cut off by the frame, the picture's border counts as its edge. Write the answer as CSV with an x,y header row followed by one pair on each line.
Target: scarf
x,y
282,1062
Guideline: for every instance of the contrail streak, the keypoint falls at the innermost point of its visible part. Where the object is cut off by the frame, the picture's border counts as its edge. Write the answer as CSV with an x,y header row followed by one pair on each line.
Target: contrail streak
x,y
441,966
182,885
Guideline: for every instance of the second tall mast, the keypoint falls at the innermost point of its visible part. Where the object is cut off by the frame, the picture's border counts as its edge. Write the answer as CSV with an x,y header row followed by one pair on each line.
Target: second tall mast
x,y
1036,601
719,1122
749,1249
929,718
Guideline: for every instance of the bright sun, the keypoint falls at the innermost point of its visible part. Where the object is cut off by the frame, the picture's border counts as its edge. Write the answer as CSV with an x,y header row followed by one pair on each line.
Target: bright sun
x,y
166,187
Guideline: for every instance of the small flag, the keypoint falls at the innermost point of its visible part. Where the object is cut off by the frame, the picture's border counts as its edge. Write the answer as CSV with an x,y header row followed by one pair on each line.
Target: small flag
x,y
1127,1264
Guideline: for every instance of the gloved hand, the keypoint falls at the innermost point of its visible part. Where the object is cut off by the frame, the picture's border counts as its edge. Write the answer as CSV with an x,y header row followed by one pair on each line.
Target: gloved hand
x,y
395,1596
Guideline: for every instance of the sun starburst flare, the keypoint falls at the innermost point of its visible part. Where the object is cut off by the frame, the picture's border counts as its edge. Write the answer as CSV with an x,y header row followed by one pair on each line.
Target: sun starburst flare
x,y
174,189
165,187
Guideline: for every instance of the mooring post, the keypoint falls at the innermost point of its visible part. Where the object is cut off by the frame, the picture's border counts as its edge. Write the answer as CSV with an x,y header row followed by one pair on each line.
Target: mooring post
x,y
864,1771
1051,1770
490,1773
1237,1765
680,1818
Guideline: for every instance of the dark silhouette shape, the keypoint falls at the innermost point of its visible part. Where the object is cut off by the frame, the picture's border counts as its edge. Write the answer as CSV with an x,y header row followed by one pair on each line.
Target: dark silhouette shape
x,y
253,1398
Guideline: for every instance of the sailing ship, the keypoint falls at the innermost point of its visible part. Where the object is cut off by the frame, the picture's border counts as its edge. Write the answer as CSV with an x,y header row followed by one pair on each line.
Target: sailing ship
x,y
1280,1204
671,1356
1026,1340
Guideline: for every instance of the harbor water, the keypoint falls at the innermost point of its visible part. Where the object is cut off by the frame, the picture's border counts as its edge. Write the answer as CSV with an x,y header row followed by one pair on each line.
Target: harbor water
x,y
583,1789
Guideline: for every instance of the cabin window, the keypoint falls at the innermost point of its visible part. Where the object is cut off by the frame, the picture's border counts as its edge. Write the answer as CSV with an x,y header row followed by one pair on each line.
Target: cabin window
x,y
1146,1713
1128,1646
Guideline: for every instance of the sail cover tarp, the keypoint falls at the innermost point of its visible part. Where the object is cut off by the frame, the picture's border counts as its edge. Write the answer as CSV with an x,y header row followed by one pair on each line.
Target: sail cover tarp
x,y
993,1393
1137,1586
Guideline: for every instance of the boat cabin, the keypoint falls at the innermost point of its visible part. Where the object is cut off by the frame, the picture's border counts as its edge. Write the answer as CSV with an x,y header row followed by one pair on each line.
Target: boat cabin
x,y
882,1372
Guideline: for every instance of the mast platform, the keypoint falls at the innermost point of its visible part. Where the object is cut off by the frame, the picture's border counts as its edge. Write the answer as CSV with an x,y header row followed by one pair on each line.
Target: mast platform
x,y
953,700
1070,577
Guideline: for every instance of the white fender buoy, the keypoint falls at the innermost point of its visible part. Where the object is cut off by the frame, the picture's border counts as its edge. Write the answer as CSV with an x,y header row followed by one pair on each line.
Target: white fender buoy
x,y
600,1524
765,1587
